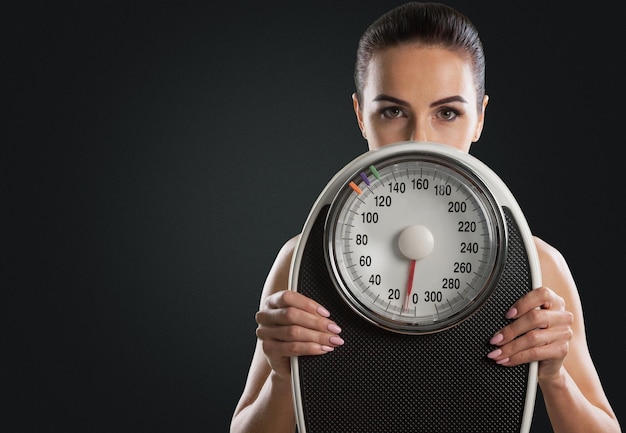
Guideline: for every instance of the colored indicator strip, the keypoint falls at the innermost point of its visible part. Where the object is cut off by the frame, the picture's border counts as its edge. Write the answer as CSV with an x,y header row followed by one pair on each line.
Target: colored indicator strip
x,y
355,187
365,179
375,172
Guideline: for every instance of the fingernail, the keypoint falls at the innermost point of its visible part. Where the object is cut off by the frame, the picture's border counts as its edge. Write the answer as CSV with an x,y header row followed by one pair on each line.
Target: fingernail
x,y
327,348
496,339
502,361
334,328
323,311
337,341
511,313
494,354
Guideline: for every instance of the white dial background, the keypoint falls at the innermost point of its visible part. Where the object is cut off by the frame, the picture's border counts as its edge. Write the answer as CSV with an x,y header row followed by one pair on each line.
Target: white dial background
x,y
452,226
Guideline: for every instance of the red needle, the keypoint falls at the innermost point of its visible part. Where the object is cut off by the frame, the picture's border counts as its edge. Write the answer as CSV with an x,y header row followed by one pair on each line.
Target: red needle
x,y
409,284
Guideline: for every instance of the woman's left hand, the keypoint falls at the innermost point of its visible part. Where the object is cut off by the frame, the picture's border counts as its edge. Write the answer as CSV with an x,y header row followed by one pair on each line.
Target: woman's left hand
x,y
541,331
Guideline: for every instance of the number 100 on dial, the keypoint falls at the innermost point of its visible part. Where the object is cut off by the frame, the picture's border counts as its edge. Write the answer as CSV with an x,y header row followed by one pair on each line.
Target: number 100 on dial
x,y
415,243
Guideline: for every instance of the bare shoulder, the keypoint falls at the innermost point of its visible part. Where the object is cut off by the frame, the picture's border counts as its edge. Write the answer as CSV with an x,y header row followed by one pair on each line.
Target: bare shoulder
x,y
556,275
549,256
278,277
555,271
286,252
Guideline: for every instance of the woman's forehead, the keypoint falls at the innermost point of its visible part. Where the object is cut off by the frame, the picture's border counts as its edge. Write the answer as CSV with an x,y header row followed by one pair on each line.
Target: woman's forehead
x,y
401,68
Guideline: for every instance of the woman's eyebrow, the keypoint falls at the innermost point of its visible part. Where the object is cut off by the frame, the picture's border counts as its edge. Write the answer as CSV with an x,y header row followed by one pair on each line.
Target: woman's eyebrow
x,y
388,98
456,98
383,97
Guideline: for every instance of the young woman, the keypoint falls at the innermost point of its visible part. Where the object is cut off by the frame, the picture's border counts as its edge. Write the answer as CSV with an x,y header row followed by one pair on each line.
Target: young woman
x,y
419,75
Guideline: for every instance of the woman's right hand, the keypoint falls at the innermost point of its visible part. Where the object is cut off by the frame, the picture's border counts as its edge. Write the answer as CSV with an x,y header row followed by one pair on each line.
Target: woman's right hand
x,y
291,324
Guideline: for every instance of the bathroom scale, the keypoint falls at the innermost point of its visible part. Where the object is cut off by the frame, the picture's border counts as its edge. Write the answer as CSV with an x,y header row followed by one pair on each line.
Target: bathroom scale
x,y
418,250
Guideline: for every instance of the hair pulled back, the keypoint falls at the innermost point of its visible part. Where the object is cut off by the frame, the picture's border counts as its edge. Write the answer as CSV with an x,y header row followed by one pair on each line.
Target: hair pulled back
x,y
427,24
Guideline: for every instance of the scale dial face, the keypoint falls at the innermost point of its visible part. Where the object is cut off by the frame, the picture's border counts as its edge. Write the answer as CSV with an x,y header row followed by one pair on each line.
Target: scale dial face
x,y
415,243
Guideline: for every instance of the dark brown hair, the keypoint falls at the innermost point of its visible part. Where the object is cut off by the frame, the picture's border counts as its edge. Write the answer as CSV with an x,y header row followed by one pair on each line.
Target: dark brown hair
x,y
430,24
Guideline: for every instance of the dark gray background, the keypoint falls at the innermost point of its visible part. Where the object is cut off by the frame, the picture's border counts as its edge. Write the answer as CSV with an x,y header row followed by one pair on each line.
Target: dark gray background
x,y
156,156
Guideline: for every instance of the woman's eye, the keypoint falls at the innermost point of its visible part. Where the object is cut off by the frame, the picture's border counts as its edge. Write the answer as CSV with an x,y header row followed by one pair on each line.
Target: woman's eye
x,y
393,112
448,114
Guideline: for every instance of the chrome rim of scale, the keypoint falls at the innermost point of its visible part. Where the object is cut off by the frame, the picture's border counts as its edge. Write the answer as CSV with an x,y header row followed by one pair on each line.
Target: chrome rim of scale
x,y
415,240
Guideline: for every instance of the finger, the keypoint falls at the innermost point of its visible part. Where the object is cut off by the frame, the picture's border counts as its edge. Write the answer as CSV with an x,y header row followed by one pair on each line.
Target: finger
x,y
535,345
539,345
279,349
298,334
288,307
541,297
534,319
288,316
289,298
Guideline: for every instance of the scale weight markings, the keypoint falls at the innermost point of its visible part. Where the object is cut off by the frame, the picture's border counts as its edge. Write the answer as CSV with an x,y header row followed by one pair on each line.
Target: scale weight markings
x,y
415,353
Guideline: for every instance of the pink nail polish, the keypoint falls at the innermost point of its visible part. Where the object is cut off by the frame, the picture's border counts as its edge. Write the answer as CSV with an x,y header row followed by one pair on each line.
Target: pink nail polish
x,y
494,354
511,313
323,311
338,341
496,339
327,348
502,361
334,328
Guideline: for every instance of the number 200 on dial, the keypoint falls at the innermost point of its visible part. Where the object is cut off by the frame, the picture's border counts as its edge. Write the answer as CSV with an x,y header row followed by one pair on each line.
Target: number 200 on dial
x,y
415,244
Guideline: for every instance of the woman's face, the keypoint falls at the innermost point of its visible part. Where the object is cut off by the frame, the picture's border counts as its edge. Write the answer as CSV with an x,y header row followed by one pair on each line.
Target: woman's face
x,y
421,94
